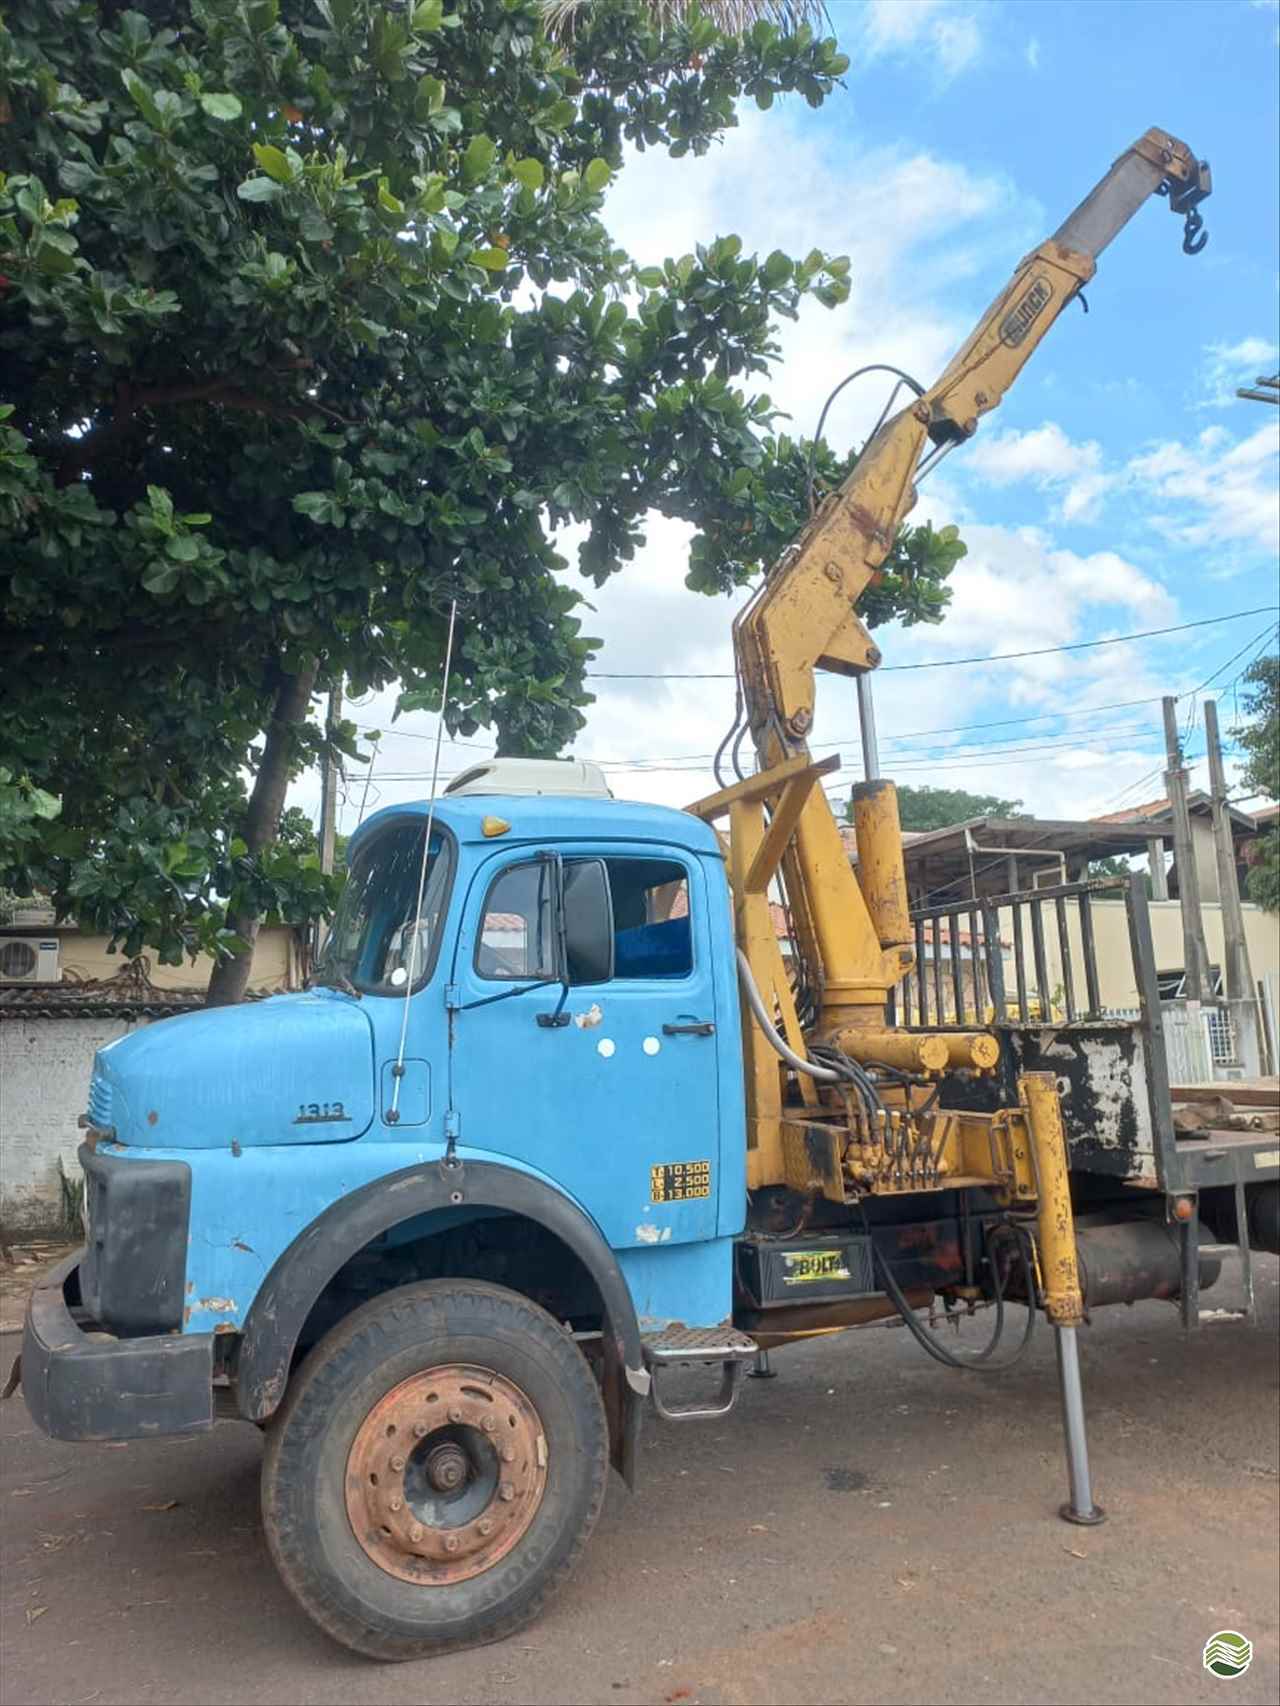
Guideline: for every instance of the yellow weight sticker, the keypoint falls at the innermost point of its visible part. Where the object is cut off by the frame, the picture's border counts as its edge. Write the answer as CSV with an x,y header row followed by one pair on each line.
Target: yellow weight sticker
x,y
679,1181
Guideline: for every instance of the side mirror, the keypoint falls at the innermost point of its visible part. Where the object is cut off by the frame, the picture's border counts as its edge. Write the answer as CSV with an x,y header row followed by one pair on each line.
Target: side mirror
x,y
587,922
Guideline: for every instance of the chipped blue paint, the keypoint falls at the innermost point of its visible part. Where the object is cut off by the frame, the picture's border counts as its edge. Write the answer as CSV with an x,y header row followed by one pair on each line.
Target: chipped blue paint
x,y
280,1107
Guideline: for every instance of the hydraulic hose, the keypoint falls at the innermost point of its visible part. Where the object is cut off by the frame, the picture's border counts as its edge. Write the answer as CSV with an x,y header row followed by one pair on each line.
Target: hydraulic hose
x,y
977,1361
823,1074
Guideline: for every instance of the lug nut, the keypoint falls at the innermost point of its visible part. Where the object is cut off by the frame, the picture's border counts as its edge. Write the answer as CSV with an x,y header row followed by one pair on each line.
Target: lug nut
x,y
419,1430
486,1525
508,1454
507,1493
489,1424
451,1544
396,1504
415,1533
397,1463
455,1414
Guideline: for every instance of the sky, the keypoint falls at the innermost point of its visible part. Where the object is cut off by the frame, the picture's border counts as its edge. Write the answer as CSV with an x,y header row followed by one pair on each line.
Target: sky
x,y
1121,487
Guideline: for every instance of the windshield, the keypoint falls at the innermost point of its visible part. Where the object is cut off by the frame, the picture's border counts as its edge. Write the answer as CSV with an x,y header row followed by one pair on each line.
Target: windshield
x,y
371,946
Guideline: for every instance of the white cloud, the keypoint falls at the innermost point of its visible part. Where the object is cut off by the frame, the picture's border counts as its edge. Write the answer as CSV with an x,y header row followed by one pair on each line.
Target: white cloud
x,y
1033,53
947,33
1225,367
1052,460
1217,492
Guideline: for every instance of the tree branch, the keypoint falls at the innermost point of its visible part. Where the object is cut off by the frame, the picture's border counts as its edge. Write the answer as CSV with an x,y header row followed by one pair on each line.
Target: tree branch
x,y
83,452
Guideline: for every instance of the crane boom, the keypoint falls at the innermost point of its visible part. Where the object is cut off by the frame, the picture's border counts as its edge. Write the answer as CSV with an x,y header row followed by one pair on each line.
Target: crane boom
x,y
852,932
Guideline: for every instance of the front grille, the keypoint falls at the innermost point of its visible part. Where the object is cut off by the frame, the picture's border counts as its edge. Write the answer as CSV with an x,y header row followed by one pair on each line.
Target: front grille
x,y
100,1102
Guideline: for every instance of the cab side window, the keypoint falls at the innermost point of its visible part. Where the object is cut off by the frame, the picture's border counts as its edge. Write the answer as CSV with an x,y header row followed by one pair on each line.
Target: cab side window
x,y
516,934
651,923
644,902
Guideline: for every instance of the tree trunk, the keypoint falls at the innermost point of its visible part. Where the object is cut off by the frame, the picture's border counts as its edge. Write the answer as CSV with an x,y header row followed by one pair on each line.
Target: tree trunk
x,y
230,978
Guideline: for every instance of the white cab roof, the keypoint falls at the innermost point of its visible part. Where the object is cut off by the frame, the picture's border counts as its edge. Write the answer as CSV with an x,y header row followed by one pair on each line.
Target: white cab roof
x,y
533,776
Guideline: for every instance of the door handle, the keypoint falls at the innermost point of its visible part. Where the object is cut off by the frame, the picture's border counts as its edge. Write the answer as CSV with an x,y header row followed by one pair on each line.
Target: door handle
x,y
695,1028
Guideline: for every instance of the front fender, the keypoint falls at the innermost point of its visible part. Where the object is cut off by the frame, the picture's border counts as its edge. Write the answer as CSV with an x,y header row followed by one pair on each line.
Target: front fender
x,y
302,1271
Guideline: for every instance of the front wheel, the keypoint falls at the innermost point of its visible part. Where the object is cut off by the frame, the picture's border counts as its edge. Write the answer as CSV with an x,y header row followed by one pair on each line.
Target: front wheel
x,y
435,1470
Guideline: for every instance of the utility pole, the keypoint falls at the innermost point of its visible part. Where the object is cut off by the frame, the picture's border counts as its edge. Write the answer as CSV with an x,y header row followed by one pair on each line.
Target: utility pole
x,y
1237,974
1195,959
329,801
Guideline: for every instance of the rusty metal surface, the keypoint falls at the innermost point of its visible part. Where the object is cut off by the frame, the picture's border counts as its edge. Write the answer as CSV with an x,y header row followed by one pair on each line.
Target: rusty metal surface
x,y
1127,1261
445,1474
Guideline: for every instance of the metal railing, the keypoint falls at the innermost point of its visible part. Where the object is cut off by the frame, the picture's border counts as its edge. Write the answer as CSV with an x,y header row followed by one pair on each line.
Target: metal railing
x,y
960,976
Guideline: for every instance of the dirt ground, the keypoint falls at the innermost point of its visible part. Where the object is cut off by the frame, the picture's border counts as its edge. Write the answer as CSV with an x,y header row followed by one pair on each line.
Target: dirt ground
x,y
866,1527
19,1272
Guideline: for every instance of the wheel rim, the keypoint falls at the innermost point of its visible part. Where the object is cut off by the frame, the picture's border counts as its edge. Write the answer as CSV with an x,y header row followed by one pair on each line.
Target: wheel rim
x,y
446,1473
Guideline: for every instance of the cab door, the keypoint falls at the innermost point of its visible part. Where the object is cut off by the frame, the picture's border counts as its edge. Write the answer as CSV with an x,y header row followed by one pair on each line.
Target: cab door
x,y
611,1090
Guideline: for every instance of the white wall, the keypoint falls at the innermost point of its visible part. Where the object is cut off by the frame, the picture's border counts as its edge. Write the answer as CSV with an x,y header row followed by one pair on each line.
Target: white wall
x,y
44,1088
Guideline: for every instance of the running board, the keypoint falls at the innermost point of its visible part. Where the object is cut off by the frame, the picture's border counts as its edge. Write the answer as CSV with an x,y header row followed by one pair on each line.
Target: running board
x,y
687,1347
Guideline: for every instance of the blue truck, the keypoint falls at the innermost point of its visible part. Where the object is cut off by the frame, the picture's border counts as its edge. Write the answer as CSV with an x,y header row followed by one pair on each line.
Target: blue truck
x,y
560,1114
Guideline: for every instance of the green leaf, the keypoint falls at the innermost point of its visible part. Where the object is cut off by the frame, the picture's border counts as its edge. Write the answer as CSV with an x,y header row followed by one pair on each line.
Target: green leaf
x,y
428,16
259,189
530,173
143,99
559,116
493,260
222,107
481,152
369,332
160,577
429,97
391,203
316,506
182,548
777,269
651,278
273,161
597,175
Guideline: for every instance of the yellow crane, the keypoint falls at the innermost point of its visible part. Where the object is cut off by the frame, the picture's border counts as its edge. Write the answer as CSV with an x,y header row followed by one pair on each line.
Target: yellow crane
x,y
844,1109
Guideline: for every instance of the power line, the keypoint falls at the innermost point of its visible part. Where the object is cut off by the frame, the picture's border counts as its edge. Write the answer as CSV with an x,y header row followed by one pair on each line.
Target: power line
x,y
915,756
885,740
955,663
1222,667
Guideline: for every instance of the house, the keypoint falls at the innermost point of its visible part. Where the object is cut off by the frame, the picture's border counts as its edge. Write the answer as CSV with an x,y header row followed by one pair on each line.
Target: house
x,y
1158,814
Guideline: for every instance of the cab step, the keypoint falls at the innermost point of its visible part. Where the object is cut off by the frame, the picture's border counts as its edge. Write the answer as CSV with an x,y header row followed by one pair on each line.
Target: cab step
x,y
687,1347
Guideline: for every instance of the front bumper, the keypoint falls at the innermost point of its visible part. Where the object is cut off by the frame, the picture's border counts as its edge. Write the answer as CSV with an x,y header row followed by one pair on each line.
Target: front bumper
x,y
83,1384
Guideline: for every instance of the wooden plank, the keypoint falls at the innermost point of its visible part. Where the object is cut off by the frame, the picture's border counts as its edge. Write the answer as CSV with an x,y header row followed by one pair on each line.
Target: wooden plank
x,y
782,827
761,787
1244,1092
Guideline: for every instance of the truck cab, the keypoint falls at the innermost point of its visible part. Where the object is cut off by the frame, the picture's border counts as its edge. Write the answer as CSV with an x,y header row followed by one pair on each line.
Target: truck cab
x,y
518,1068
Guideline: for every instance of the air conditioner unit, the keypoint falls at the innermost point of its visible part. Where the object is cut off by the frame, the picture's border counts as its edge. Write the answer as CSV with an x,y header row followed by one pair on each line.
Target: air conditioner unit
x,y
29,959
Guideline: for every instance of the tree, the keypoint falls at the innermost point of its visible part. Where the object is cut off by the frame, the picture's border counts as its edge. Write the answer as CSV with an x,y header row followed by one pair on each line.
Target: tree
x,y
1260,742
310,327
938,808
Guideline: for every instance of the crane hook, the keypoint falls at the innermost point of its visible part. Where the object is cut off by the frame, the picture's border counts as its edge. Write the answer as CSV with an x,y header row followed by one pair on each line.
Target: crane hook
x,y
1194,236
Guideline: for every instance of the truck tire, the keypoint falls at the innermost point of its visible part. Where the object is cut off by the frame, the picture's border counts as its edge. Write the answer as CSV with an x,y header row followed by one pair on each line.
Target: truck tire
x,y
435,1470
